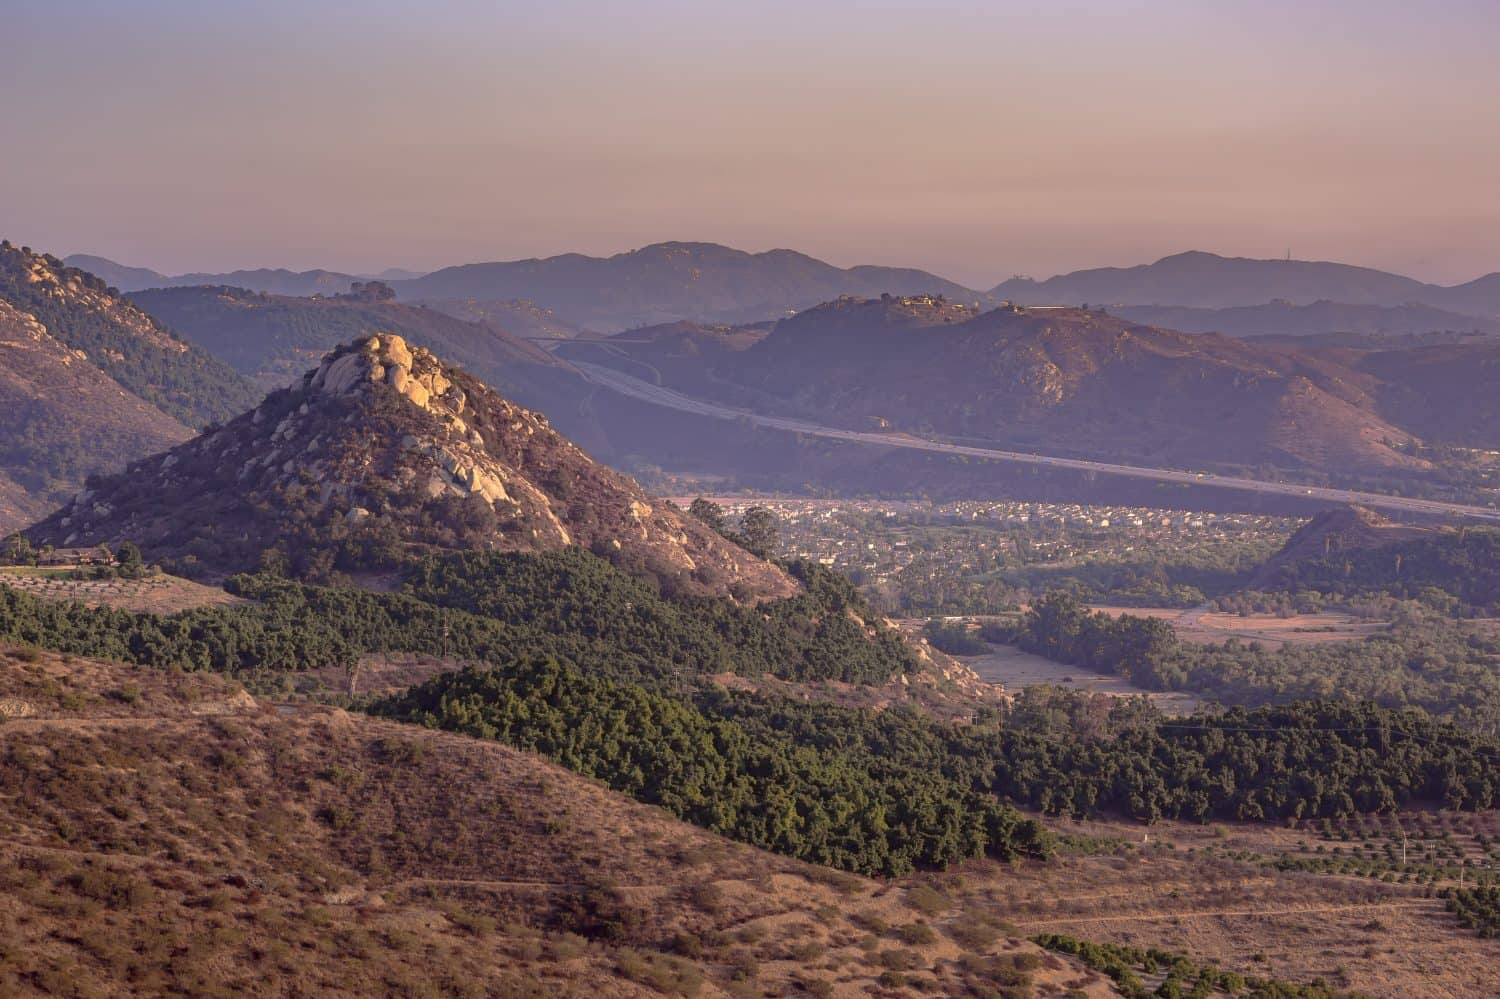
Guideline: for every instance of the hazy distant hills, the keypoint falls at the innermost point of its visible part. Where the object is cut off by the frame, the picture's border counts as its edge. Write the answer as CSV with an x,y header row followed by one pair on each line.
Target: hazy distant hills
x,y
706,282
1448,393
275,281
659,283
1206,280
1319,318
275,339
1064,379
671,281
1086,383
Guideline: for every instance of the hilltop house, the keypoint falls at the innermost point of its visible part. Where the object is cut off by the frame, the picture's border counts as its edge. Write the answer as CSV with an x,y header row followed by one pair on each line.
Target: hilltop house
x,y
76,556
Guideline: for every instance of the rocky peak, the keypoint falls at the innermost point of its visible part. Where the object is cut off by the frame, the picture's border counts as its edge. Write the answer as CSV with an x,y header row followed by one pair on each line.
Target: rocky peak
x,y
383,452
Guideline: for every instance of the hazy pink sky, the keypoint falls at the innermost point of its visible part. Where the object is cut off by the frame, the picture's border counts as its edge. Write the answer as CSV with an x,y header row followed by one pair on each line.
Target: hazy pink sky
x,y
976,139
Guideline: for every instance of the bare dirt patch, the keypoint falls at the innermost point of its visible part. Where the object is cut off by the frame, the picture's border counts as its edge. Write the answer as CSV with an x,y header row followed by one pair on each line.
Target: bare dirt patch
x,y
160,594
1014,669
1212,627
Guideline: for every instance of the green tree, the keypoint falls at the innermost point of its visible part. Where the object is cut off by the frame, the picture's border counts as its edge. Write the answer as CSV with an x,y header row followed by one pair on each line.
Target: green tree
x,y
18,550
760,534
132,566
709,512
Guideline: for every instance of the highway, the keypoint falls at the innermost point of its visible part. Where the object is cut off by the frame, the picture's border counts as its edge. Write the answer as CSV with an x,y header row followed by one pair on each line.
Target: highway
x,y
658,395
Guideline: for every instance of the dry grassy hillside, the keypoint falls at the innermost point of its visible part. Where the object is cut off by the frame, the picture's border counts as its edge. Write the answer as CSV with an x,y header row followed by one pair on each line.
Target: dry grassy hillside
x,y
166,833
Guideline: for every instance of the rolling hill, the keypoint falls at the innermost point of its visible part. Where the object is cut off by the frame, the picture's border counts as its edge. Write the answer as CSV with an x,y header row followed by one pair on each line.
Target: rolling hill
x,y
62,420
384,451
132,348
671,281
274,339
270,280
1281,319
1060,379
1207,280
168,833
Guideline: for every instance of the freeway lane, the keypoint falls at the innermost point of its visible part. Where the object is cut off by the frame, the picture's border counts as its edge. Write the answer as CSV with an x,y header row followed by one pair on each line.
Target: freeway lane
x,y
658,395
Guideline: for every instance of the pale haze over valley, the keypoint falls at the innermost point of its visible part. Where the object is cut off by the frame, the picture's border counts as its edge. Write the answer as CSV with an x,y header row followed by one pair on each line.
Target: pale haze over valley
x,y
974,140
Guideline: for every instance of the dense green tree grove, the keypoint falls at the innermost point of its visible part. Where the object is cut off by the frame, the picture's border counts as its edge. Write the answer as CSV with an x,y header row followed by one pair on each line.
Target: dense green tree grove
x,y
826,632
1426,659
567,604
1305,760
1463,565
1182,977
1477,909
835,804
1059,627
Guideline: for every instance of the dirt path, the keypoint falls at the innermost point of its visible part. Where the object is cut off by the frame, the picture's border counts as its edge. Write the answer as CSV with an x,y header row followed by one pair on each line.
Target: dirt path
x,y
1433,904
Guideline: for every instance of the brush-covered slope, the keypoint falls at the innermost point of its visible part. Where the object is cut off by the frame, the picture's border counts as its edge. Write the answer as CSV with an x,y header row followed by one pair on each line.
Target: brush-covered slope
x,y
166,833
383,451
517,316
119,339
670,281
1066,379
62,420
1449,393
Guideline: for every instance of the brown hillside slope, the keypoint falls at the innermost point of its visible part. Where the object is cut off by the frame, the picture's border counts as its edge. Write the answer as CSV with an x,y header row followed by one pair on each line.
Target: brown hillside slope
x,y
1070,379
130,347
61,420
166,833
384,451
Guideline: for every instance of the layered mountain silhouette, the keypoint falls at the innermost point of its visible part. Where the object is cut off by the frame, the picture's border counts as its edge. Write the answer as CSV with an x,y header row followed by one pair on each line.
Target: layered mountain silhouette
x,y
1207,280
273,339
383,452
659,283
1283,319
670,281
271,280
1047,379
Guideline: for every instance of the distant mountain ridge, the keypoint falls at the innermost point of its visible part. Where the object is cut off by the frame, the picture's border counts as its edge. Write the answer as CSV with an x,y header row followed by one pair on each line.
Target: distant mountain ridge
x,y
270,280
1283,318
1207,280
663,282
1054,380
274,339
671,281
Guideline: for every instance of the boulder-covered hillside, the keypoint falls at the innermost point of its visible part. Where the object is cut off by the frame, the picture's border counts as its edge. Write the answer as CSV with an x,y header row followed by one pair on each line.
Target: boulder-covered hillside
x,y
381,453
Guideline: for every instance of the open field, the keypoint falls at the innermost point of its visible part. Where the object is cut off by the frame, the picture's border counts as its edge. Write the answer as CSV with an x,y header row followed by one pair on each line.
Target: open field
x,y
159,594
1014,669
1214,893
1204,626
